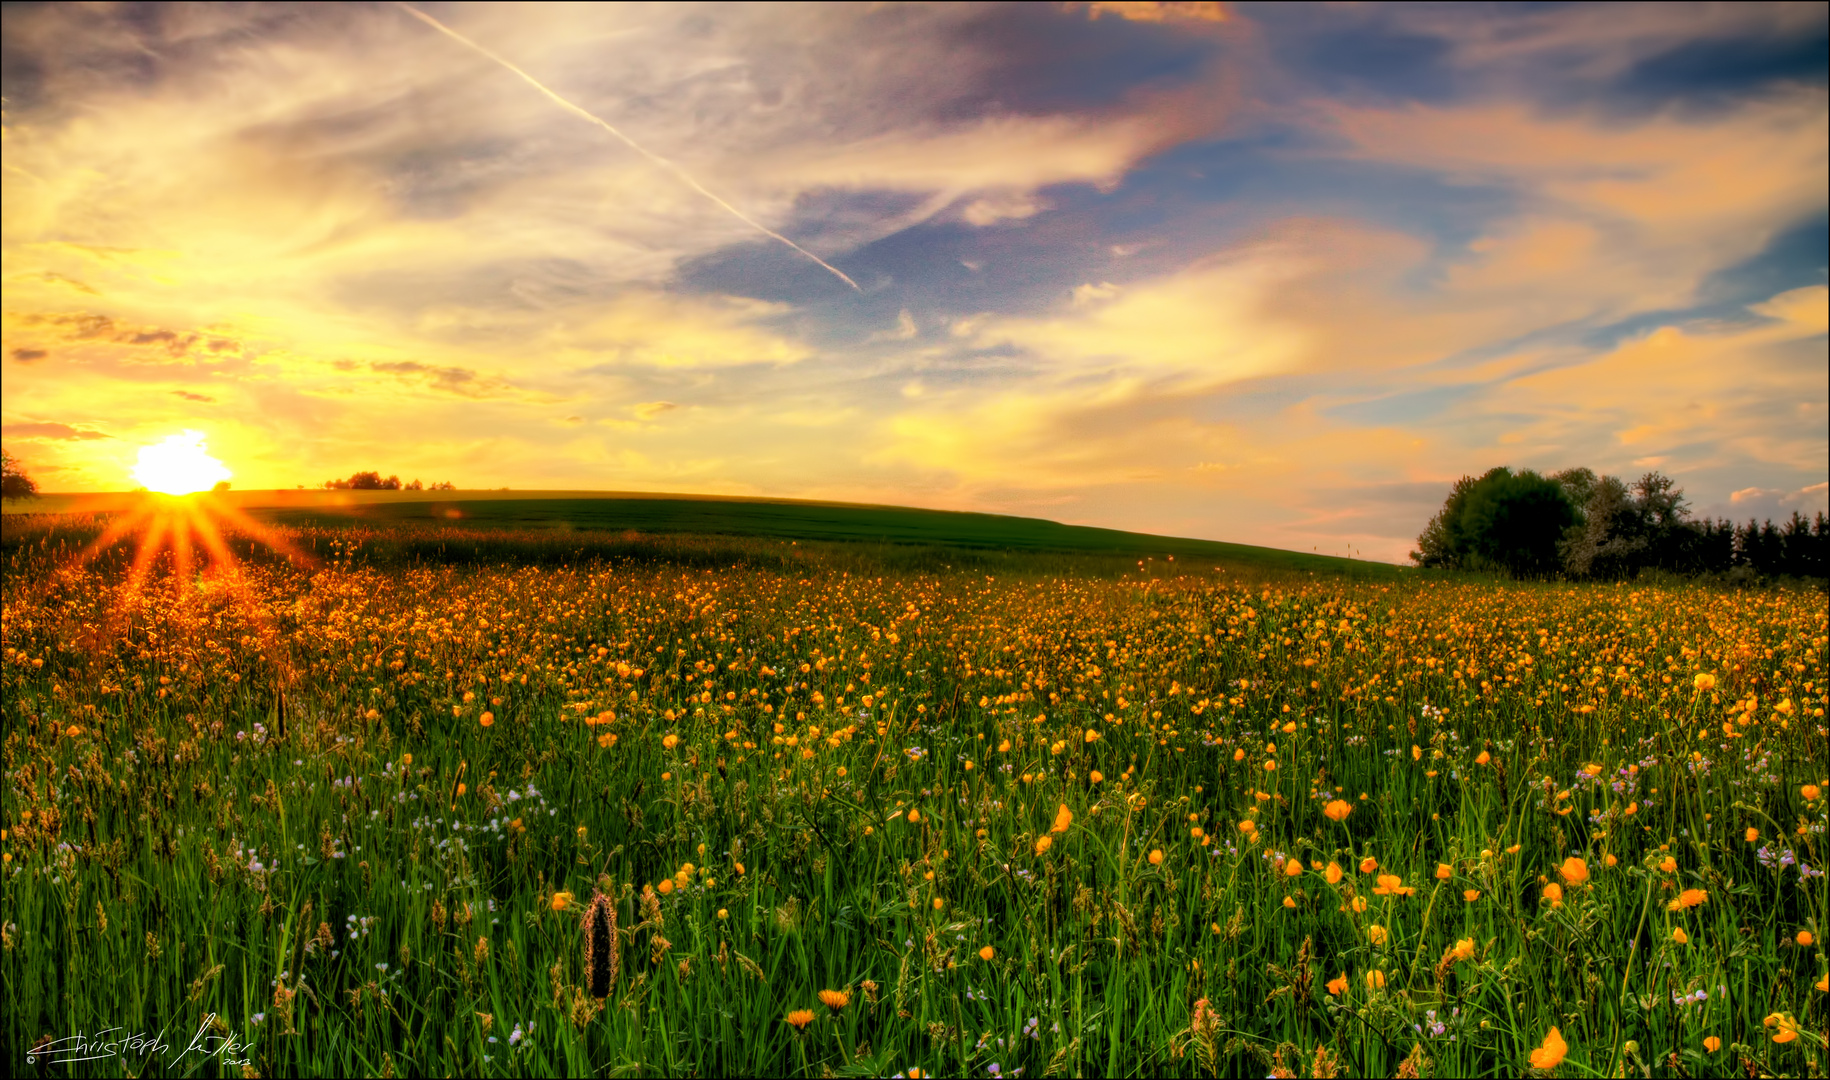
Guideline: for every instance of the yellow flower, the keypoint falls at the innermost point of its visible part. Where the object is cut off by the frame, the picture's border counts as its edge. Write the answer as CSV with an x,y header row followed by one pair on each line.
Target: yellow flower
x,y
1368,865
1156,857
800,1018
1293,868
1823,984
1043,844
1471,895
1334,873
1574,870
1667,865
665,887
1375,980
1337,985
1553,894
1550,1055
1704,681
1610,860
1678,935
1444,871
1753,834
1338,809
987,953
1063,818
1393,885
1463,949
1806,939
938,903
1788,1027
669,741
1290,902
1096,776
1377,935
1689,898
1092,736
1711,1044
1810,792
561,900
834,999
487,719
723,914
1248,826
1483,758
407,759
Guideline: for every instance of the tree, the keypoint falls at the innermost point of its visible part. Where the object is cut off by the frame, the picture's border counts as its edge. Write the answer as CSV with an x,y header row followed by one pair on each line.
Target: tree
x,y
365,481
14,483
1501,520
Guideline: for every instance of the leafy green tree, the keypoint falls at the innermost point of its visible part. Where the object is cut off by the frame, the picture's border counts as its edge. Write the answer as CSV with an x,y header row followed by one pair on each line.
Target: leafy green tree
x,y
1502,520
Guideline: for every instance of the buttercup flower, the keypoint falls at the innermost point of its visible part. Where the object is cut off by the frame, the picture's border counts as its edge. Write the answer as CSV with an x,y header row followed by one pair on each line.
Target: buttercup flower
x,y
1551,1054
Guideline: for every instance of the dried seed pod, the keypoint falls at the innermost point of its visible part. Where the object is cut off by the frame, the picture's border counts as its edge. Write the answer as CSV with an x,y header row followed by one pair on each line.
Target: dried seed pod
x,y
601,953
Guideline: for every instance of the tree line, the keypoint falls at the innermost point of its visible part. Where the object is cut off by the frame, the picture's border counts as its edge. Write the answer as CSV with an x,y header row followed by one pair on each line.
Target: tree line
x,y
1577,524
372,481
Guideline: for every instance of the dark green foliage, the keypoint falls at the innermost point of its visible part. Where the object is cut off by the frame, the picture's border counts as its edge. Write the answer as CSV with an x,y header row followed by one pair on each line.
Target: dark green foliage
x,y
1502,520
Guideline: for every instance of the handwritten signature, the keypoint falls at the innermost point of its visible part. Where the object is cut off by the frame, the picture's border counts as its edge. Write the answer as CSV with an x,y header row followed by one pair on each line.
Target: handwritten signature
x,y
115,1042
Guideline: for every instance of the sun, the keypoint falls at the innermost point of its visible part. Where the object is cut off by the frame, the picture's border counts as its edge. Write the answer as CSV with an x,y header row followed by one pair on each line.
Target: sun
x,y
178,465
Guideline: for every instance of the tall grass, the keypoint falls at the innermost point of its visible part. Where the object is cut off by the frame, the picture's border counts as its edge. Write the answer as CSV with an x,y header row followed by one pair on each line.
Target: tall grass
x,y
271,797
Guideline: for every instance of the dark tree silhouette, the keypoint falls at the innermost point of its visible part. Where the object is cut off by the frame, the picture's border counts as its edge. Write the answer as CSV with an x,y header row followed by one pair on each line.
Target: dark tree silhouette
x,y
14,483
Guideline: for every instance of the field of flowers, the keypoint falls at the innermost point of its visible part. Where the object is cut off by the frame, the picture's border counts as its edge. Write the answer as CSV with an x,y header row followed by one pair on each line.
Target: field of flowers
x,y
785,815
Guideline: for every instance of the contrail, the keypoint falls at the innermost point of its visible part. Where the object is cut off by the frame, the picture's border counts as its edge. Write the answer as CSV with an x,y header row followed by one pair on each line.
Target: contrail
x,y
681,174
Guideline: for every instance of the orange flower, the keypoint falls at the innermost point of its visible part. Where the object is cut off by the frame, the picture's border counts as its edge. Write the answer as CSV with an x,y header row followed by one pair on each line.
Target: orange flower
x,y
1689,898
1550,1055
1063,818
1574,870
1678,935
914,816
1753,834
561,900
1786,1025
1337,985
1806,939
1334,873
1290,901
1375,980
665,887
1704,681
1553,895
1667,865
488,719
1043,844
1392,885
669,741
834,999
1338,809
800,1018
987,953
1293,868
1444,871
1156,856
1463,949
1810,792
1711,1044
1471,895
1377,934
1483,758
1248,826
1368,865
1096,776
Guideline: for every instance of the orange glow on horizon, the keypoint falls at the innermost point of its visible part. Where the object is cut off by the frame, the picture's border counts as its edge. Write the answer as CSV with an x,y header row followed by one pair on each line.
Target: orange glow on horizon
x,y
179,465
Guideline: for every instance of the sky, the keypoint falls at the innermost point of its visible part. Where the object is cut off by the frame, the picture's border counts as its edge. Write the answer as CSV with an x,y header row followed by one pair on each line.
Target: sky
x,y
1270,274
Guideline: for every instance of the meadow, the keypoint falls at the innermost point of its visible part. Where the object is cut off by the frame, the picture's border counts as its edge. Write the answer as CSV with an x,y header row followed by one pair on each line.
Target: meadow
x,y
506,804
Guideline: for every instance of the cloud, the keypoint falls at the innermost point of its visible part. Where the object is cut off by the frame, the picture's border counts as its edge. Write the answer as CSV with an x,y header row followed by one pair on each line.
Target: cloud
x,y
26,356
59,432
1195,11
190,396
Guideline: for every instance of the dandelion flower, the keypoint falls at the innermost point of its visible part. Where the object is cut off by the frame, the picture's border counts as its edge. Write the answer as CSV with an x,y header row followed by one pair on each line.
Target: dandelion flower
x,y
1338,809
1063,818
723,914
834,999
1550,1055
800,1018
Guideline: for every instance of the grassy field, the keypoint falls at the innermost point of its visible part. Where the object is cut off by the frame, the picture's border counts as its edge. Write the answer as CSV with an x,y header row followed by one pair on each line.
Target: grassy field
x,y
829,809
584,518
